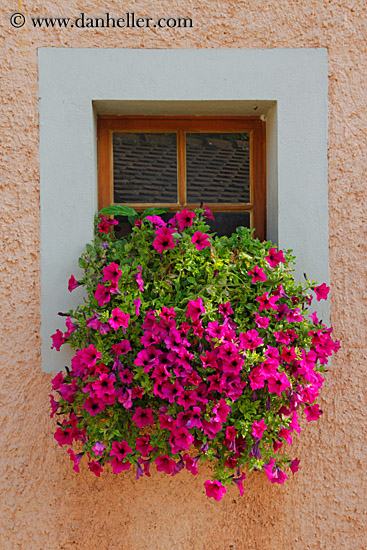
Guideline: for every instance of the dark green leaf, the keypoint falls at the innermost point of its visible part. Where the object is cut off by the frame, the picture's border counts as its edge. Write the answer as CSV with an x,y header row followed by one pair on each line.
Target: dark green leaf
x,y
118,210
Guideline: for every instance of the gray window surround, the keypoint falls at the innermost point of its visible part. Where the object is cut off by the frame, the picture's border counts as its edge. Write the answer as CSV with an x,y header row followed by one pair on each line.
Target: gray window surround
x,y
288,87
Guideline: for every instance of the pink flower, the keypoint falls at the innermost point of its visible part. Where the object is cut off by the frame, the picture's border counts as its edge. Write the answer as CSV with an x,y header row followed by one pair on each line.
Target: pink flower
x,y
73,283
195,308
143,417
200,240
119,319
185,219
294,465
165,464
257,274
76,459
137,304
104,225
239,482
70,326
120,450
118,466
312,413
102,295
57,340
258,428
267,302
163,240
250,339
138,279
321,292
208,214
278,382
191,463
261,322
225,309
143,445
214,489
112,273
274,258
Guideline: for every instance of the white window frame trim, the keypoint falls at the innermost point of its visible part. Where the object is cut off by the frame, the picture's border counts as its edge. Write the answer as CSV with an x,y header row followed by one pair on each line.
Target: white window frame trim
x,y
289,87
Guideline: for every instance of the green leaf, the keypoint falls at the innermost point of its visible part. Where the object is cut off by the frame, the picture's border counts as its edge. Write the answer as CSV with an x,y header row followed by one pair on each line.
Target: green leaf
x,y
118,210
153,211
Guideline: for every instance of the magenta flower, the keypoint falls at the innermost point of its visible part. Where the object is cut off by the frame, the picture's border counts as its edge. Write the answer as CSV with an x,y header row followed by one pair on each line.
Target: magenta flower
x,y
156,220
258,428
120,450
208,214
312,413
57,340
200,240
321,292
76,459
73,283
57,381
138,279
185,219
104,225
70,326
278,382
143,446
118,466
64,436
195,308
261,322
191,463
143,417
122,348
239,482
267,302
112,273
180,439
98,448
250,339
104,385
225,309
54,405
102,295
294,465
214,489
165,464
119,319
274,258
257,274
137,304
163,240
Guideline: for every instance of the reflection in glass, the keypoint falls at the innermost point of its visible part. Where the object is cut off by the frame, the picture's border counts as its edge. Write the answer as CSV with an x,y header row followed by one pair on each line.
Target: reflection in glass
x,y
218,168
144,168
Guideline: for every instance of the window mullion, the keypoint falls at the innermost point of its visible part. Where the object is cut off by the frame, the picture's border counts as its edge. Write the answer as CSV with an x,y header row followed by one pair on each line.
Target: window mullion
x,y
181,168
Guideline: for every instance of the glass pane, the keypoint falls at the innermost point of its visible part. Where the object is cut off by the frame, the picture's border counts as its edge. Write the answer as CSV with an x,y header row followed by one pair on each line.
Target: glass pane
x,y
144,168
225,223
218,168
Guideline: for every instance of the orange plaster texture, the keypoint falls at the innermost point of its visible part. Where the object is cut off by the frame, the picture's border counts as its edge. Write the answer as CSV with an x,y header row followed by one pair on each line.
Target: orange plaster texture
x,y
44,504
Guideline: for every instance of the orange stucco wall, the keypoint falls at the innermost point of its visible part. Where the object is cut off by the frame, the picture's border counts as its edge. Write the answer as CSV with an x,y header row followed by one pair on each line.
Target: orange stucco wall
x,y
44,504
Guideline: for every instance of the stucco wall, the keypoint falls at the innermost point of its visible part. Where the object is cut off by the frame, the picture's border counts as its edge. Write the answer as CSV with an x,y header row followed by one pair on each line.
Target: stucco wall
x,y
44,503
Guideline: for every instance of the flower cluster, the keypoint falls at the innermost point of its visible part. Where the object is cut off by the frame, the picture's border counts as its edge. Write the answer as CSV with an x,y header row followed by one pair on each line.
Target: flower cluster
x,y
189,348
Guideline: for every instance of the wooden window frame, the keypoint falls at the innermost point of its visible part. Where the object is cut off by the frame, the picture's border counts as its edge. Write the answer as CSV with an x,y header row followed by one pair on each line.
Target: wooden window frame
x,y
254,126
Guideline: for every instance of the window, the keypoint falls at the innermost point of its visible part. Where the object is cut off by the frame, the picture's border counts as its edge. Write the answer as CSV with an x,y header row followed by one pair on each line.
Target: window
x,y
181,162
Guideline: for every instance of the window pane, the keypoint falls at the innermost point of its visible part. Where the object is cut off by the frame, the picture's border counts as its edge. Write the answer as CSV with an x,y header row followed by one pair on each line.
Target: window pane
x,y
218,168
144,168
225,223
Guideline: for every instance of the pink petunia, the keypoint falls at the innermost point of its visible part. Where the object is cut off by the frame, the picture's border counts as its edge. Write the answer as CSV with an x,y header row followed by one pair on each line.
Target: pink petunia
x,y
73,283
119,319
105,225
165,464
274,258
185,219
70,326
143,417
200,240
102,295
258,428
57,340
267,302
195,308
137,304
312,413
112,273
257,274
321,292
261,322
164,240
138,279
214,489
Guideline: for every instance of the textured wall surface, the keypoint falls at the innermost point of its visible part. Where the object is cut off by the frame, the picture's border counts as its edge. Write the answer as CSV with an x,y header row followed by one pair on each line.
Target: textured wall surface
x,y
44,503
